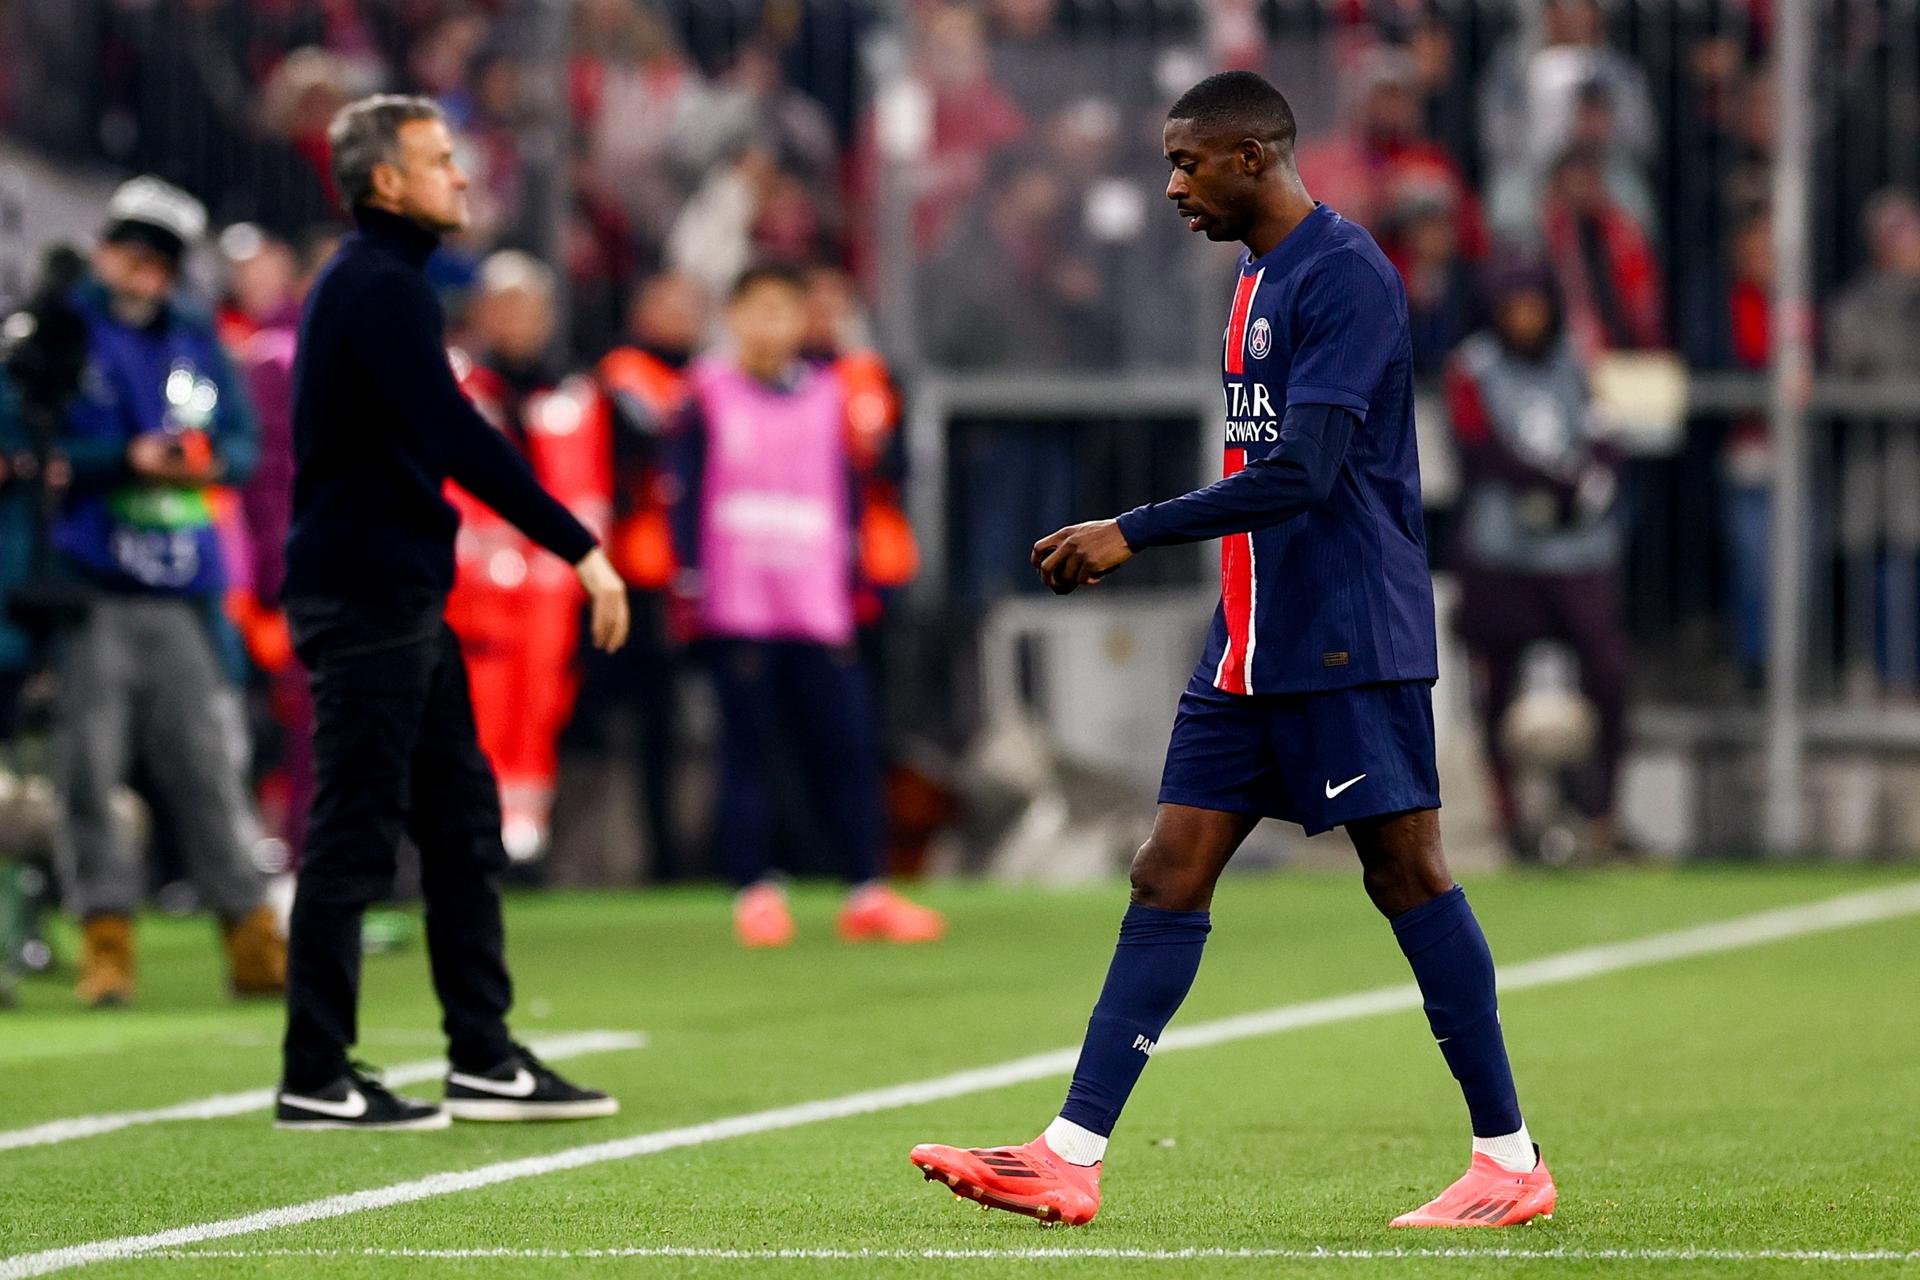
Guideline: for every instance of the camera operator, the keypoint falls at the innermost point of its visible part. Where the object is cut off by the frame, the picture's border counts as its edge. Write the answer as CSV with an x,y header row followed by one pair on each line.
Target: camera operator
x,y
157,422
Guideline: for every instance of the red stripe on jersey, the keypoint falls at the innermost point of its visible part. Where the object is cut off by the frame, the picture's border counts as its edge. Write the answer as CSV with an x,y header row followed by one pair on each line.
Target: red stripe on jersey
x,y
1237,322
1236,597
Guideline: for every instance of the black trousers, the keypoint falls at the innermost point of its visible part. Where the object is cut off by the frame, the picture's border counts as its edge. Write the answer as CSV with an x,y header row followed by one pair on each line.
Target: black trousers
x,y
395,752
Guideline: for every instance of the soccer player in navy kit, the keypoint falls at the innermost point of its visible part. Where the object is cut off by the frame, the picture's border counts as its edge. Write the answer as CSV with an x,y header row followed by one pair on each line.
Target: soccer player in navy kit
x,y
1313,700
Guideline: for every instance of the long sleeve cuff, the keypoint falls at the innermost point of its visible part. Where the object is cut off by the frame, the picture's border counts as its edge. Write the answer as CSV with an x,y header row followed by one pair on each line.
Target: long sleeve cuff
x,y
1139,527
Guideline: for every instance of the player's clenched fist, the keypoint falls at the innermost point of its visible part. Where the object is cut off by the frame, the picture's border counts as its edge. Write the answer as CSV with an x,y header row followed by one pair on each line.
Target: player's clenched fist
x,y
1080,554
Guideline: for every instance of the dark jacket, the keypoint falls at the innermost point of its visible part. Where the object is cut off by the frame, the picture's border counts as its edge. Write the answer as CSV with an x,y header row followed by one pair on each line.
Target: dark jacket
x,y
379,425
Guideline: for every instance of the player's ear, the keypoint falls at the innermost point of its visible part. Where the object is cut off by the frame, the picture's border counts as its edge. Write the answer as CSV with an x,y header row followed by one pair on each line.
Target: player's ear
x,y
1253,157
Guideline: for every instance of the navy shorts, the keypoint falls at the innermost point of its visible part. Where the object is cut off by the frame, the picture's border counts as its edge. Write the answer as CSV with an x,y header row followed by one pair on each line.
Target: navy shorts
x,y
1319,759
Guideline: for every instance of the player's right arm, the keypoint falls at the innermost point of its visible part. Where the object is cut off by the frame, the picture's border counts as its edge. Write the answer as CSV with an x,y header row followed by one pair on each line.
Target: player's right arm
x,y
1295,476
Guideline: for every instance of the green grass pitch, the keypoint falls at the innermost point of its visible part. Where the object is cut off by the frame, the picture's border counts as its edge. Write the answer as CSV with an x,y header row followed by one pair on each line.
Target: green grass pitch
x,y
1760,1100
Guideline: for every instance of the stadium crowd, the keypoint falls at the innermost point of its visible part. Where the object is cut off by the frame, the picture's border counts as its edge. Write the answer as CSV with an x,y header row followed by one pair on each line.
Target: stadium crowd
x,y
1530,194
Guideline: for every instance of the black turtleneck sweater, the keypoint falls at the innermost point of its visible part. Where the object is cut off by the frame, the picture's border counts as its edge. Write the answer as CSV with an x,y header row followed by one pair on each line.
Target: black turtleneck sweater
x,y
379,424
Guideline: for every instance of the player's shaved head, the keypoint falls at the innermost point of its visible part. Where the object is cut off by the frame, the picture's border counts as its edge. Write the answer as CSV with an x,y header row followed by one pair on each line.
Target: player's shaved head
x,y
1238,104
1229,141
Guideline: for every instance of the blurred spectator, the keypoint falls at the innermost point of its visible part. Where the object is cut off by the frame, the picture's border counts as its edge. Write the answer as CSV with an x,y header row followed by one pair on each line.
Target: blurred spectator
x,y
1876,319
1735,108
1609,282
644,380
495,112
1380,153
600,255
265,285
1875,332
765,524
751,104
1010,293
516,608
19,516
715,236
1442,301
632,92
837,341
1530,99
1513,201
297,101
1731,329
444,60
1539,541
160,420
973,119
1444,80
1029,55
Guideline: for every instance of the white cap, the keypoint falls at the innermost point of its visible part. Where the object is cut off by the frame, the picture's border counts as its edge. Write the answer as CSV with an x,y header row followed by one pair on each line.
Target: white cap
x,y
149,202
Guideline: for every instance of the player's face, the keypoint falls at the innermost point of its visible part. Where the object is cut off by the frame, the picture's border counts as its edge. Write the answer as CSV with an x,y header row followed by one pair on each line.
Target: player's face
x,y
424,182
1213,180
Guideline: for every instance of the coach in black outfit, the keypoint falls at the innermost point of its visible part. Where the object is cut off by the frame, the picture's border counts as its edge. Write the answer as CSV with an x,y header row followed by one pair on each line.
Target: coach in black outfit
x,y
378,425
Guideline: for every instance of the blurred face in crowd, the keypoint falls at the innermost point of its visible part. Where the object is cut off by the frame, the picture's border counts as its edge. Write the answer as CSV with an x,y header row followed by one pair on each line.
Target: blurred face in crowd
x,y
1216,179
1752,251
1433,237
137,279
423,181
497,88
1524,320
262,273
1028,206
1580,181
1390,113
1022,19
1896,237
768,323
1574,22
1758,122
515,324
829,308
669,313
954,52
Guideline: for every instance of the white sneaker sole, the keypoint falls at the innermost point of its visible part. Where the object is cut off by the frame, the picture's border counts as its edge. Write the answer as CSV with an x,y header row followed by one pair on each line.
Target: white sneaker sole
x,y
491,1109
438,1120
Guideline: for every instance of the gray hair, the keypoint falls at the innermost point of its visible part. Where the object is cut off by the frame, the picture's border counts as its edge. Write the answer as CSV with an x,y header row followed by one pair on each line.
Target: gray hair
x,y
366,133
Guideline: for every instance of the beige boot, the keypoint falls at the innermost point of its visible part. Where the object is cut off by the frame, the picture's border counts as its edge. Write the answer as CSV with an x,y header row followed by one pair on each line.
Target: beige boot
x,y
106,962
256,954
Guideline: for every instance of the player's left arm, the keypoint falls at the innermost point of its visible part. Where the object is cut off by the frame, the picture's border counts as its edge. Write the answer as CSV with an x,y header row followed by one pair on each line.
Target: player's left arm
x,y
1349,323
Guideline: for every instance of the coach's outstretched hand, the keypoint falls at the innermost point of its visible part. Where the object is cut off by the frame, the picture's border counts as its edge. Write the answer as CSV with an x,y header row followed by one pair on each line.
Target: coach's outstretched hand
x,y
608,594
1080,554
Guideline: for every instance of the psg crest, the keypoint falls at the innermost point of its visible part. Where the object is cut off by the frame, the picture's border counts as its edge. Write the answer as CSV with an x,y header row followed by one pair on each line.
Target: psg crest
x,y
1260,339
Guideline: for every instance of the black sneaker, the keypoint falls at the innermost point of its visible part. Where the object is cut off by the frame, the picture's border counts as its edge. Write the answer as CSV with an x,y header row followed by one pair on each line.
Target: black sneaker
x,y
522,1088
357,1100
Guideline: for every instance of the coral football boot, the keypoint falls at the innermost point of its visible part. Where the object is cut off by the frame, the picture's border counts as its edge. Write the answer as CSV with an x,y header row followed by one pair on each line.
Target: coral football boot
x,y
1488,1196
1030,1179
876,913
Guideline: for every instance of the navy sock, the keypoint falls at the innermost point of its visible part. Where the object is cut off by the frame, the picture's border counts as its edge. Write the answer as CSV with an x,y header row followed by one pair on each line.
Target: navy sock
x,y
1451,963
1153,965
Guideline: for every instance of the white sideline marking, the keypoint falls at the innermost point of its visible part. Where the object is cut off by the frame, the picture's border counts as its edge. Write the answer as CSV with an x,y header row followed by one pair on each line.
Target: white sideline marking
x,y
557,1047
1571,966
1069,1253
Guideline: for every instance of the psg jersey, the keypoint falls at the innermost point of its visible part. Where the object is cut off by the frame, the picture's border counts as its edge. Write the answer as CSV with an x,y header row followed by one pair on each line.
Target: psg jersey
x,y
1338,595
